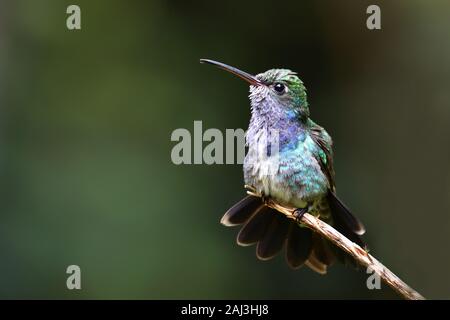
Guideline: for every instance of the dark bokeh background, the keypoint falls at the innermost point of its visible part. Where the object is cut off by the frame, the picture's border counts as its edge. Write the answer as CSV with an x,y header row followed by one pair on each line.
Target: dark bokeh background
x,y
86,117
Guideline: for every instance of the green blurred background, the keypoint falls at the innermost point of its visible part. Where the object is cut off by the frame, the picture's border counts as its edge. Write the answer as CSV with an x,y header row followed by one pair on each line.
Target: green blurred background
x,y
85,124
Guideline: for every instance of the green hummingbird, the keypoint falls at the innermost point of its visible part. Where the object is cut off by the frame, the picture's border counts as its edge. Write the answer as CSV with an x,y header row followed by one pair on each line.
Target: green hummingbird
x,y
301,175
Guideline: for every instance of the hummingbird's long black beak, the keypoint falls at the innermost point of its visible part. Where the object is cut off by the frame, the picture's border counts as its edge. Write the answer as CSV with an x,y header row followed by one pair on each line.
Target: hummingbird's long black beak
x,y
241,74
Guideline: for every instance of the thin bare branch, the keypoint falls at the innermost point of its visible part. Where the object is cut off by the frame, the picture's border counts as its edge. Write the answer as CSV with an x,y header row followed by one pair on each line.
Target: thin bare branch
x,y
361,255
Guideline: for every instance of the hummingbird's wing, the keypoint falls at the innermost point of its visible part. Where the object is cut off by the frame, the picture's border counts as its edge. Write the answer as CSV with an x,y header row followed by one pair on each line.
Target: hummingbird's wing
x,y
325,155
344,220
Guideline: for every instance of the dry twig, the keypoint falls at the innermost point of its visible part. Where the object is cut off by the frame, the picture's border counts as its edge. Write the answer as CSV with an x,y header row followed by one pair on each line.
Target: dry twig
x,y
361,255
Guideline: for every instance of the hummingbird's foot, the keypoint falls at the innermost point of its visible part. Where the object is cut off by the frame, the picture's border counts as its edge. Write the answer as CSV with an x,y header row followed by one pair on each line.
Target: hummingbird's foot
x,y
298,213
265,199
250,188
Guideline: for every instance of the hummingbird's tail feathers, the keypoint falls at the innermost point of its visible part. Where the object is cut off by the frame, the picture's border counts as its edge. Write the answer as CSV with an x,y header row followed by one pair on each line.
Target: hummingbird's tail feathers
x,y
298,245
322,254
271,231
254,229
322,250
345,258
314,264
241,211
343,215
274,236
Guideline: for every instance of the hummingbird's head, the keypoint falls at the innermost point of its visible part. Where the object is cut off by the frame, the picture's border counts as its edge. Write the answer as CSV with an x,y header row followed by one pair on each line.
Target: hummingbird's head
x,y
282,88
274,91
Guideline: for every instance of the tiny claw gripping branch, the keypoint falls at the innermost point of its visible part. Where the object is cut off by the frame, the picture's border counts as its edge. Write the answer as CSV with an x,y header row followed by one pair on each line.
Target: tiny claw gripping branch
x,y
298,213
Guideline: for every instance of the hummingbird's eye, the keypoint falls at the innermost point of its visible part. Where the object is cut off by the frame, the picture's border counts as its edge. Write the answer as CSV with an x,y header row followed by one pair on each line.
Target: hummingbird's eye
x,y
279,88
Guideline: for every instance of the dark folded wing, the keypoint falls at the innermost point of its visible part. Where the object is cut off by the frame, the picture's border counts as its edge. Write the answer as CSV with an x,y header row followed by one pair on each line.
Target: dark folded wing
x,y
342,214
325,154
344,220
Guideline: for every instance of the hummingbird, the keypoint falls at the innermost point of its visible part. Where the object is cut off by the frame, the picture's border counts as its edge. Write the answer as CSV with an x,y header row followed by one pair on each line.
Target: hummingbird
x,y
301,176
